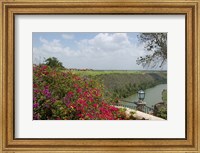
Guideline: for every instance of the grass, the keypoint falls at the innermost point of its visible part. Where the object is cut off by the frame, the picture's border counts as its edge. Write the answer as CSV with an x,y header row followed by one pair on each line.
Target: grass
x,y
102,72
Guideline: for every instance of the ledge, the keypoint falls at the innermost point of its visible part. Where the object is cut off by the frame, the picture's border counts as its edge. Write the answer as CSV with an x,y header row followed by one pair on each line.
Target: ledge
x,y
141,115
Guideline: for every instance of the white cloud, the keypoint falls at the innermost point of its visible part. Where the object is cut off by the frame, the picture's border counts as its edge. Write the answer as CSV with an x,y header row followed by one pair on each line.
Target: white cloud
x,y
67,36
106,42
104,51
43,40
52,46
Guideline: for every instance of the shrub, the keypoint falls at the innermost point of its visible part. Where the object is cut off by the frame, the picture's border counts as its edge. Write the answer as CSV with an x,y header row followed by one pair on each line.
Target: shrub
x,y
53,62
59,95
160,109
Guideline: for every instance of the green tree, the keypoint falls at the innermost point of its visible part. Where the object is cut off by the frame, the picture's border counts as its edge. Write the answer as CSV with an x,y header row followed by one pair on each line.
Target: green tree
x,y
156,46
53,62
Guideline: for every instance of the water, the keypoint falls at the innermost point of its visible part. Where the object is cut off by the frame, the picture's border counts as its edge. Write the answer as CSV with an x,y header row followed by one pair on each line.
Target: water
x,y
152,95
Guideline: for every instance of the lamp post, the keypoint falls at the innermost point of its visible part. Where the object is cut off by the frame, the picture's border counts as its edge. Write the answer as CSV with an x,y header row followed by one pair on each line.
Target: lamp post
x,y
141,95
140,104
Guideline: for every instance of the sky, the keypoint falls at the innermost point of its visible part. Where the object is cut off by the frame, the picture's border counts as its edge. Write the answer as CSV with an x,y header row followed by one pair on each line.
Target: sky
x,y
98,51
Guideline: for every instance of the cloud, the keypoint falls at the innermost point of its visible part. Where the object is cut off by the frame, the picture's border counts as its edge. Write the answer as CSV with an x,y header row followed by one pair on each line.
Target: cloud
x,y
103,51
106,42
53,46
67,36
44,41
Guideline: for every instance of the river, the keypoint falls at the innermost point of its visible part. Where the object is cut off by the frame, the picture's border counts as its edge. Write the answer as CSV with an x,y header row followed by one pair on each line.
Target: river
x,y
152,95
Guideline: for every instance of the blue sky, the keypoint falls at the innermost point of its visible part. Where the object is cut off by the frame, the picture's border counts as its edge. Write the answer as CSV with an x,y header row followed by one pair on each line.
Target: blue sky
x,y
101,51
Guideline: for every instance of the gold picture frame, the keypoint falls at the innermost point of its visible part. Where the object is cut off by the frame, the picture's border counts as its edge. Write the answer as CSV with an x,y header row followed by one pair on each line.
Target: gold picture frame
x,y
9,8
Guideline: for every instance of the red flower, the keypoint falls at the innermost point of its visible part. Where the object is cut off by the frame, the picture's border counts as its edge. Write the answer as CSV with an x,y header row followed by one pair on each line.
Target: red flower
x,y
76,85
70,94
95,105
79,90
44,67
35,85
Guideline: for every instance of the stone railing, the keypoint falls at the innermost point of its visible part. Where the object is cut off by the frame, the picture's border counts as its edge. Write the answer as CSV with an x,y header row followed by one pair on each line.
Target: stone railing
x,y
138,115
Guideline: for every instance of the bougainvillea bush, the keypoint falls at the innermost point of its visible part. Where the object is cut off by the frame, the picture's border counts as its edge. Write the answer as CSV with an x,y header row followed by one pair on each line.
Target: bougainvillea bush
x,y
62,95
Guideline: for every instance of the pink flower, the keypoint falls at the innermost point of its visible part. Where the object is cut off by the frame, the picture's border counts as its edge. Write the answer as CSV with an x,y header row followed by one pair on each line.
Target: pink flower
x,y
70,94
79,90
44,67
95,105
35,105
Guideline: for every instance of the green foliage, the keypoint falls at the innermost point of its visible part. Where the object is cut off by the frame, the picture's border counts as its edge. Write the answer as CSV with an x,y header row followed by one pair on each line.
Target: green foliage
x,y
162,112
164,96
156,46
124,85
53,62
160,109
